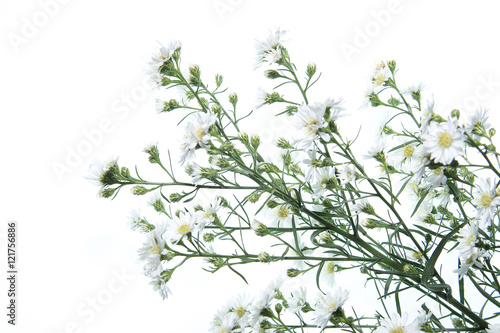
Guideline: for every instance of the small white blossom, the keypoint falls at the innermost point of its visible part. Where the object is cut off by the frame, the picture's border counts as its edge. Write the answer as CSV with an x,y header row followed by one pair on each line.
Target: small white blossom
x,y
347,174
468,239
269,50
486,200
152,249
180,227
297,300
327,305
479,118
309,120
325,175
397,324
196,134
160,285
163,54
444,141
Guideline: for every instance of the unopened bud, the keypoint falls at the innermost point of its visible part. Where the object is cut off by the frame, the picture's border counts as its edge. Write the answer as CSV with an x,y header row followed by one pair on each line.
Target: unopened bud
x,y
139,190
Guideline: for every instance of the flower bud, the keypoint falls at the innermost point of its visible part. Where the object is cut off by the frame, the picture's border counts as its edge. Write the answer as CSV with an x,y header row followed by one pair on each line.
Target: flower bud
x,y
284,144
293,272
208,237
272,74
260,229
233,98
107,192
139,190
255,141
492,132
218,79
254,197
264,257
455,113
311,69
278,307
154,154
175,197
243,138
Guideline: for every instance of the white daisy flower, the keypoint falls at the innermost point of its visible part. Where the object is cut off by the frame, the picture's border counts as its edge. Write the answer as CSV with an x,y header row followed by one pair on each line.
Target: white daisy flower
x,y
225,324
314,164
407,156
279,216
478,119
426,115
329,273
473,260
363,206
152,250
240,305
444,141
436,178
180,227
381,75
422,317
196,134
397,324
486,200
297,300
195,171
468,239
154,79
160,285
163,54
269,50
325,175
377,149
347,173
327,305
208,214
418,169
309,120
263,301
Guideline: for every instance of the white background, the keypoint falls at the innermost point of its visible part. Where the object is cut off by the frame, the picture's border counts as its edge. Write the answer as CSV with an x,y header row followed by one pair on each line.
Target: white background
x,y
82,64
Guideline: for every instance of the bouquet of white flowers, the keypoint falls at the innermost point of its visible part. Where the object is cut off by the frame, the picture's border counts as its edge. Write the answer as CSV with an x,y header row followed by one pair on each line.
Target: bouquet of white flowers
x,y
416,214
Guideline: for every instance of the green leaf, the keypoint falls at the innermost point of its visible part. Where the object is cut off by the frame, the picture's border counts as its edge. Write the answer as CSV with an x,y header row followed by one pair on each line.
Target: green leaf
x,y
429,266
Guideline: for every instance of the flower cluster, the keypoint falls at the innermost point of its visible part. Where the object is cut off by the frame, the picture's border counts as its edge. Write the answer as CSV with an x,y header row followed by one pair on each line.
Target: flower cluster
x,y
425,191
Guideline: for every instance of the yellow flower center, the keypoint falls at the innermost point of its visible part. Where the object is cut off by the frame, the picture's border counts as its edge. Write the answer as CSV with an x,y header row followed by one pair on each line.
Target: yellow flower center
x,y
330,269
408,151
200,133
331,306
470,260
282,212
445,140
417,255
379,79
437,171
470,240
183,229
486,200
240,311
397,330
310,128
155,250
